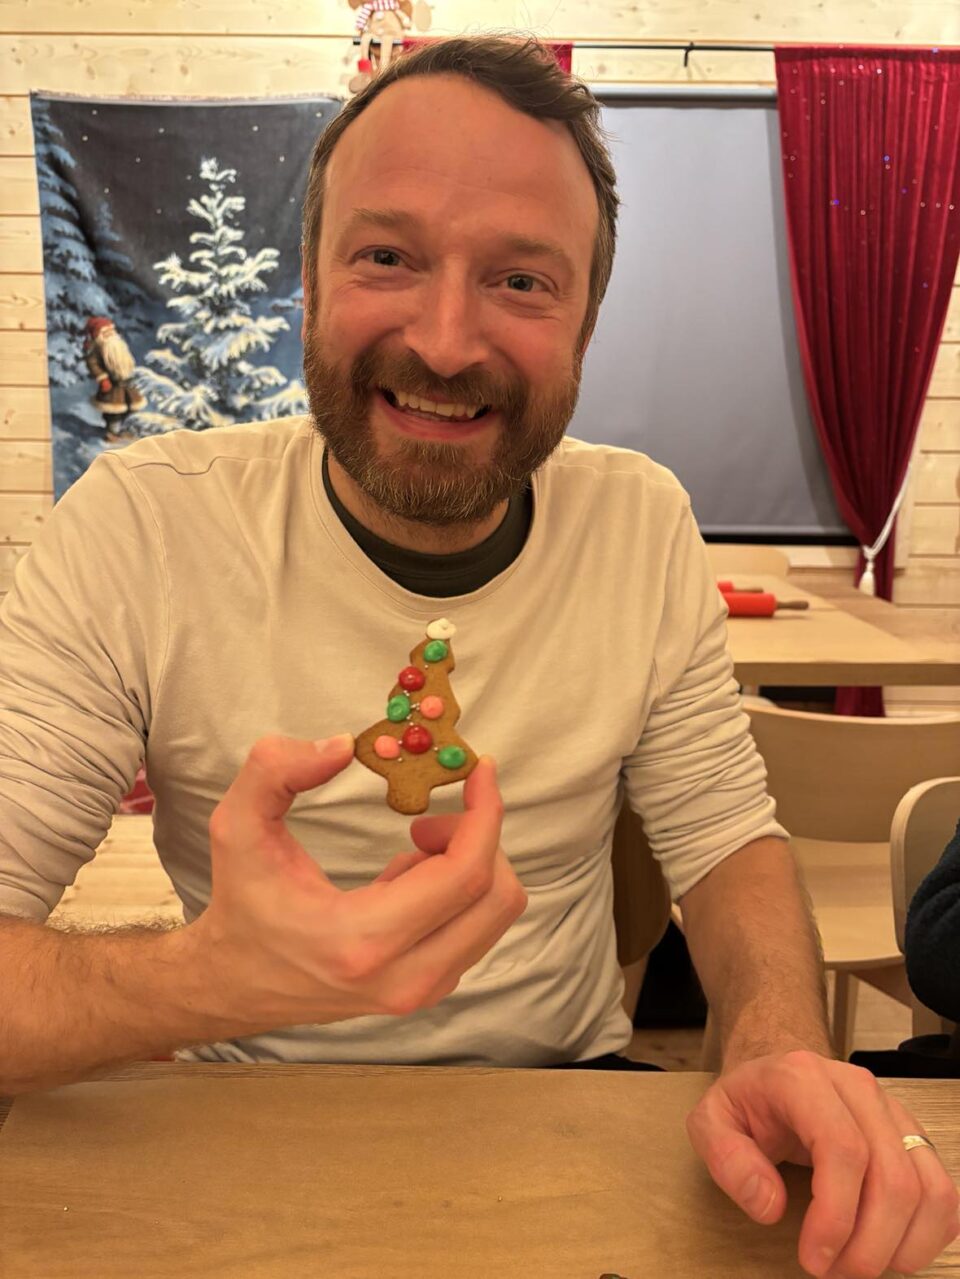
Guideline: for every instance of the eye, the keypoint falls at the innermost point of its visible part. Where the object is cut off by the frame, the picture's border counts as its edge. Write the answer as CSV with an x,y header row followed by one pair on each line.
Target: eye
x,y
531,279
388,252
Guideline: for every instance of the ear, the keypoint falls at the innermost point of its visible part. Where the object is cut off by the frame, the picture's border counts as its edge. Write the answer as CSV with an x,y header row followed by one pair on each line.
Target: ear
x,y
587,340
306,304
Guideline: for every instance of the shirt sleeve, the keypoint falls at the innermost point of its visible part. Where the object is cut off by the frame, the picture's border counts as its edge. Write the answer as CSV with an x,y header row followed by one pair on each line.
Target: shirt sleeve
x,y
696,778
87,610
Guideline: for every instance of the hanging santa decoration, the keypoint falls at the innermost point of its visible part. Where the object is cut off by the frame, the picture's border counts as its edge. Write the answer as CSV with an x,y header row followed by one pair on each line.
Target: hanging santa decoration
x,y
416,747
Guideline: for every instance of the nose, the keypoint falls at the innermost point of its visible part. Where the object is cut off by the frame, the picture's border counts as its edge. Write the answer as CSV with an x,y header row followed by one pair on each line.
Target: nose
x,y
447,332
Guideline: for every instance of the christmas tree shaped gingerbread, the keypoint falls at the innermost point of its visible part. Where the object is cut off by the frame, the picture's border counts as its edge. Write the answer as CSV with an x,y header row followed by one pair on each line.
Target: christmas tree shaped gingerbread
x,y
417,746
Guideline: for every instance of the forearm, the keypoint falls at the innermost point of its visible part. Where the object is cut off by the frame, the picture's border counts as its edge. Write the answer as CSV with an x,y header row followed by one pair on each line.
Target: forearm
x,y
72,1003
754,944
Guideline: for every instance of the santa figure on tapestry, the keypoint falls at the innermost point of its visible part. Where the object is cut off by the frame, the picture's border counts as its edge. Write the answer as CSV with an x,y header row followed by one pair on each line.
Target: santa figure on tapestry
x,y
110,361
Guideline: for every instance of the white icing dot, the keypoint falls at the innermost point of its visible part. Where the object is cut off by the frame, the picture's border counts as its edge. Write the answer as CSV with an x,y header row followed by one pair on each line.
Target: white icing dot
x,y
441,628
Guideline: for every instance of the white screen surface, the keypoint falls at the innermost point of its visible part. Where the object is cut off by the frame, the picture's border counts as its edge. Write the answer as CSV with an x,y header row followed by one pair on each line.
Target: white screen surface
x,y
694,359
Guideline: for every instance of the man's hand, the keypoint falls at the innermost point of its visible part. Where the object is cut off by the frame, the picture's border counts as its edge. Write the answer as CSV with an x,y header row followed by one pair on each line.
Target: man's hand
x,y
285,947
875,1204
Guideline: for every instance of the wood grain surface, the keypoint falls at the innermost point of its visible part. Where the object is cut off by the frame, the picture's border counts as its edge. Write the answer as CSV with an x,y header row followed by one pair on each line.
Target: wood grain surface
x,y
357,1172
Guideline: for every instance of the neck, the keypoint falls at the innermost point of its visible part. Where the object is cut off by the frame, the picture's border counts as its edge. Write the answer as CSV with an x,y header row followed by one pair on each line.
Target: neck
x,y
409,534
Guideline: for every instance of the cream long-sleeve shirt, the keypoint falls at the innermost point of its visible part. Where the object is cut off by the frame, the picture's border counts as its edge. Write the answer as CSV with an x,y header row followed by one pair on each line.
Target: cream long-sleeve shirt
x,y
196,591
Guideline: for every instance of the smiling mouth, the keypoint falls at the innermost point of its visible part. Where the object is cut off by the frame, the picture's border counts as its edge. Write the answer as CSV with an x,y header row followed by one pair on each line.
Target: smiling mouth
x,y
430,417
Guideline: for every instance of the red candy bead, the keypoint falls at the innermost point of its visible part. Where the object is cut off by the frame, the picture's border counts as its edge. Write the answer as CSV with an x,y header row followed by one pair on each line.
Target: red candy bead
x,y
417,739
411,678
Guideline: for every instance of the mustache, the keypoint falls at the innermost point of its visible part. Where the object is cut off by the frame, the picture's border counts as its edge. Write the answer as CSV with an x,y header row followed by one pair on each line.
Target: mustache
x,y
409,374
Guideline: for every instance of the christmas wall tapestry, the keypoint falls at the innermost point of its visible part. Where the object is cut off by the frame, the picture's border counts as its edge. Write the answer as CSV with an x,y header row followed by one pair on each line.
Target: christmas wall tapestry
x,y
171,260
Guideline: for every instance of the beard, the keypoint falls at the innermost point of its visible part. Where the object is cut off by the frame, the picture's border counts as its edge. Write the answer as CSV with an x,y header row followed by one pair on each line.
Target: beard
x,y
116,357
434,482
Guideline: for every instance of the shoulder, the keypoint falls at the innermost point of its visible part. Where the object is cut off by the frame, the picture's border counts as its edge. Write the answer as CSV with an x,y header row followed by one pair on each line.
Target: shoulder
x,y
197,452
605,473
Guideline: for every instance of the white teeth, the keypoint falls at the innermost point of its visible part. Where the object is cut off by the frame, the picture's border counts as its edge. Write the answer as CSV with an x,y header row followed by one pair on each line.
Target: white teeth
x,y
429,406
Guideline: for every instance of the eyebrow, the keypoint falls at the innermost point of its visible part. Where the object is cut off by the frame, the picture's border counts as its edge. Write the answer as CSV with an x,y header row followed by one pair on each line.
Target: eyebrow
x,y
401,220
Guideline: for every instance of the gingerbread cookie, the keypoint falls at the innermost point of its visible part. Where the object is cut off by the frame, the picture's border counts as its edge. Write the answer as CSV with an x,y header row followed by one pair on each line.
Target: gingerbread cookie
x,y
417,747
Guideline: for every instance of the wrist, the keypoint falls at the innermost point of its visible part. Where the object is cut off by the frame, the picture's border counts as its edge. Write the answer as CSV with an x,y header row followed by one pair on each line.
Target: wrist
x,y
203,1002
742,1047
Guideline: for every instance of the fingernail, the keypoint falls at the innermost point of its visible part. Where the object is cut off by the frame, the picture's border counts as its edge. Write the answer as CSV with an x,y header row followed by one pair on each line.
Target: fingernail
x,y
758,1195
824,1260
334,744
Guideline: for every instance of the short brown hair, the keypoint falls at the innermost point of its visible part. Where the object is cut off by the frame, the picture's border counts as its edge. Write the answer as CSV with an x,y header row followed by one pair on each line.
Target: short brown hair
x,y
525,73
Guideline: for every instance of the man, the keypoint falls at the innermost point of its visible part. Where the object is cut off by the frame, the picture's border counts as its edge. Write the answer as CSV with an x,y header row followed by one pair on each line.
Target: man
x,y
282,568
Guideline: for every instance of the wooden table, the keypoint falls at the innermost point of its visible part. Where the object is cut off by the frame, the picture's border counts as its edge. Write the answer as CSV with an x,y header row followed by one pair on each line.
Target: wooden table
x,y
263,1172
833,643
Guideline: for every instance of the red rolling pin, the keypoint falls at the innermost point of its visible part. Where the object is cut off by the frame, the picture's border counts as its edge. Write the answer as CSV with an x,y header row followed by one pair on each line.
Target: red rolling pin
x,y
727,587
758,603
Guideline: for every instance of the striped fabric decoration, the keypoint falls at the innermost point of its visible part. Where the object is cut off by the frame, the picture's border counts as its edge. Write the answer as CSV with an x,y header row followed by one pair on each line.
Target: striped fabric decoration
x,y
374,6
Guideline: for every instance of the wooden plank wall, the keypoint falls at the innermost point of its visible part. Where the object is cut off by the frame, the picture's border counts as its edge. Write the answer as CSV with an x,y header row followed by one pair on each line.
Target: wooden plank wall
x,y
209,48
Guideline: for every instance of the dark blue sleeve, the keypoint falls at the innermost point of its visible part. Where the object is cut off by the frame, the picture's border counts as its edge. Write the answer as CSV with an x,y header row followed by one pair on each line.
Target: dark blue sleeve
x,y
932,936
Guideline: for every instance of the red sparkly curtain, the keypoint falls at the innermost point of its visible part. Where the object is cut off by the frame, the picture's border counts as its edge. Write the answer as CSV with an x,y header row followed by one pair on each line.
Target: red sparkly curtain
x,y
870,142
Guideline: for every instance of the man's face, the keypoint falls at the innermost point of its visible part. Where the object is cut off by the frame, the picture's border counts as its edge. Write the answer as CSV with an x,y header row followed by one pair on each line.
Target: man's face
x,y
446,304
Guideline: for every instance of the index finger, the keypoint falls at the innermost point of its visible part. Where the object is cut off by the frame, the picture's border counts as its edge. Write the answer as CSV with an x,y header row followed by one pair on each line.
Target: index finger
x,y
840,1154
429,895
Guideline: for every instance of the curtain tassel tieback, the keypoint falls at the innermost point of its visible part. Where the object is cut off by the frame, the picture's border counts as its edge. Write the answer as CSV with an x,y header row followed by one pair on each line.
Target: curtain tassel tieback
x,y
868,581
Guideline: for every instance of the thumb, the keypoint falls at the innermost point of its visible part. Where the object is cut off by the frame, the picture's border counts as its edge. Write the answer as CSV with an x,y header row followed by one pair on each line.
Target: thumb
x,y
433,834
737,1164
279,768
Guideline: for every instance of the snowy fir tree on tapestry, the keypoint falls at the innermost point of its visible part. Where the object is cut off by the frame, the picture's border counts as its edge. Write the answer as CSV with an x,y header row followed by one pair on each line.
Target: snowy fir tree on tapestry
x,y
84,274
204,374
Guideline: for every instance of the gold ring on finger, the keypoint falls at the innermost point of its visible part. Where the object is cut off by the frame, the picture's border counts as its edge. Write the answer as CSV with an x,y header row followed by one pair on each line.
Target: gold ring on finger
x,y
913,1140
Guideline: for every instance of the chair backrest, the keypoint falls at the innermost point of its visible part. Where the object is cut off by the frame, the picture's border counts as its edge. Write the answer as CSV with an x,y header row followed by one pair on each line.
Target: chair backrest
x,y
729,557
841,777
923,824
641,899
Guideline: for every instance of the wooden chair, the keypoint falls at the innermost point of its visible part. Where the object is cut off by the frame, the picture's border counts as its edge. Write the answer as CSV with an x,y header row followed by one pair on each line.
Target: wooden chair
x,y
641,903
837,781
729,557
923,825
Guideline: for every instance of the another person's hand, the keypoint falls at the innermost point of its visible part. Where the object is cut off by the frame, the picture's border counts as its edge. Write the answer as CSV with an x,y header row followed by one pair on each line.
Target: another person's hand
x,y
286,947
105,385
875,1204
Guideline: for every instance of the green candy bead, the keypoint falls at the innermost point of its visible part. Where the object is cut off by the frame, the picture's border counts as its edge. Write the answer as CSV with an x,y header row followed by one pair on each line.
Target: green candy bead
x,y
435,651
452,756
398,708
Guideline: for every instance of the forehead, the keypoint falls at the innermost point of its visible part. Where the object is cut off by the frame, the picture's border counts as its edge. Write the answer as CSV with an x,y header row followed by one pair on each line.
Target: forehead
x,y
457,155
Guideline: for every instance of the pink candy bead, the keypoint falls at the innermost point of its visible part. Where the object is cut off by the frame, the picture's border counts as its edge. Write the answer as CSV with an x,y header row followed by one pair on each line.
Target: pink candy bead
x,y
387,747
431,707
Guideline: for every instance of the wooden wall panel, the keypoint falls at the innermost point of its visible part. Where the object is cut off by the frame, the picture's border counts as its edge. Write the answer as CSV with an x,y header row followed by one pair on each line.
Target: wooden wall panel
x,y
937,478
876,21
940,427
935,530
25,467
18,186
951,329
21,249
23,359
214,66
21,302
232,17
16,133
946,371
24,413
879,21
21,514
